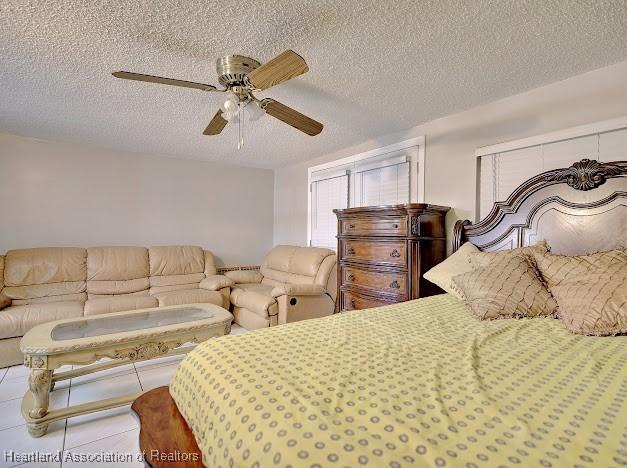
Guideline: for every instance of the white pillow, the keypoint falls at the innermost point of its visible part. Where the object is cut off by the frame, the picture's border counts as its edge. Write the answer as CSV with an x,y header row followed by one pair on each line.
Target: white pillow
x,y
458,263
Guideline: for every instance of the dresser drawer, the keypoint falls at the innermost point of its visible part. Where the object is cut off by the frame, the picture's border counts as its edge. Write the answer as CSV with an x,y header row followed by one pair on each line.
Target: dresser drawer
x,y
393,226
389,282
354,301
373,251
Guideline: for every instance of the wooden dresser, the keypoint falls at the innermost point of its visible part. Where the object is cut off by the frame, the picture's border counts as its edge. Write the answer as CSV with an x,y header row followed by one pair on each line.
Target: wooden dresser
x,y
384,250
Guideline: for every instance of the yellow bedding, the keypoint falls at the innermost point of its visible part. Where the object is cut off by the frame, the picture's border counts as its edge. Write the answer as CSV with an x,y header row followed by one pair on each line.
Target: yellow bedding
x,y
421,383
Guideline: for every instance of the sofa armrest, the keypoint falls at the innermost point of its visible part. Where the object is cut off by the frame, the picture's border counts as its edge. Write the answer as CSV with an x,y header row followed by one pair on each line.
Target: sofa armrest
x,y
244,276
5,301
258,302
297,290
216,282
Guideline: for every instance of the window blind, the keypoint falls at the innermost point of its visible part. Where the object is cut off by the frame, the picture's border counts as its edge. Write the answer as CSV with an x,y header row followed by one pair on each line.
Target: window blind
x,y
327,195
388,185
501,173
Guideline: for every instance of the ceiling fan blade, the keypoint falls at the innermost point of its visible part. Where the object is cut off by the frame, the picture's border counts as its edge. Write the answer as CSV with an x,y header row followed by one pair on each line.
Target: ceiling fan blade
x,y
167,81
291,117
283,67
216,125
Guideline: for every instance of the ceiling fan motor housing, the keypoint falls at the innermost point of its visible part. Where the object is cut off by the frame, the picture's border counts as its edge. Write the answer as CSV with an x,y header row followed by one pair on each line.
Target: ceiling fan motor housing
x,y
232,69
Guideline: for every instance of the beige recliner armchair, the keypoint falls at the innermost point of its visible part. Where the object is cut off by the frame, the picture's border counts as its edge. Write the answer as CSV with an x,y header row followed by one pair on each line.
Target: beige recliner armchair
x,y
294,283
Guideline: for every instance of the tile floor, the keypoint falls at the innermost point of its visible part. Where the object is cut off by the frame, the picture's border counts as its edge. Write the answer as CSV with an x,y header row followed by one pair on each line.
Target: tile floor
x,y
108,432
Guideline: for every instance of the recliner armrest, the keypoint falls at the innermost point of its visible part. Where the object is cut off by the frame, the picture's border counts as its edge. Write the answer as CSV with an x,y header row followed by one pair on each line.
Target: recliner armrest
x,y
245,276
297,290
5,301
258,302
216,282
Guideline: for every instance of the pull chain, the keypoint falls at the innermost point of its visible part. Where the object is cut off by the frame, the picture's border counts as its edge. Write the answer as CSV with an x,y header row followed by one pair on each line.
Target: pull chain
x,y
240,127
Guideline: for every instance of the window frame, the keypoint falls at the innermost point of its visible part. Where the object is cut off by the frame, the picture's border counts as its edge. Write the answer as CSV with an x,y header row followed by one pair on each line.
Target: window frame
x,y
416,171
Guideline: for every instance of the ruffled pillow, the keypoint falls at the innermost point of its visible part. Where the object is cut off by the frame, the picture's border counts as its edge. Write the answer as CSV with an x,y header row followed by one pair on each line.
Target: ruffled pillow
x,y
591,290
507,286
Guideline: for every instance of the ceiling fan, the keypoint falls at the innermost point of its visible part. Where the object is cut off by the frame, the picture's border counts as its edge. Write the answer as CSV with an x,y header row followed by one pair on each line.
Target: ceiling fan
x,y
241,77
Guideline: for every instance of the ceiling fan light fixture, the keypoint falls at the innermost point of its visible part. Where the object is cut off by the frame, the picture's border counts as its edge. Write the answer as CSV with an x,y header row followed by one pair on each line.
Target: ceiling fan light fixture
x,y
255,111
230,103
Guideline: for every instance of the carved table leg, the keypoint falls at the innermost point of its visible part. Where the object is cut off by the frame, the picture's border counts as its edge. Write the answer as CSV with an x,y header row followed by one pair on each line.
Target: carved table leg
x,y
39,383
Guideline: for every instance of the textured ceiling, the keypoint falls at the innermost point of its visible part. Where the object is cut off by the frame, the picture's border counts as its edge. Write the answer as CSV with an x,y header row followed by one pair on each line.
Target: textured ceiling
x,y
376,66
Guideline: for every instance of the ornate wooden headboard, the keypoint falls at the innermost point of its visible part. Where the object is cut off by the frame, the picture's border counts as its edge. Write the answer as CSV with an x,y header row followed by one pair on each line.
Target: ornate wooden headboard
x,y
579,209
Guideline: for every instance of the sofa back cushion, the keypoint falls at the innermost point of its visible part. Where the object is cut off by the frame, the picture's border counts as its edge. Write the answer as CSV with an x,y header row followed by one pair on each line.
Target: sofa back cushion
x,y
117,270
45,275
176,267
295,265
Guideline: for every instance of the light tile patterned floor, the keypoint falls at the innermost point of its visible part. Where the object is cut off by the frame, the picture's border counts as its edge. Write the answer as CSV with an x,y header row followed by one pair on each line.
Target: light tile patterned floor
x,y
113,431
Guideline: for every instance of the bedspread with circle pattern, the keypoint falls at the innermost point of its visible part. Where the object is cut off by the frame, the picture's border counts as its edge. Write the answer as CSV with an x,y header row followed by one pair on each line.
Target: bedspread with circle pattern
x,y
422,383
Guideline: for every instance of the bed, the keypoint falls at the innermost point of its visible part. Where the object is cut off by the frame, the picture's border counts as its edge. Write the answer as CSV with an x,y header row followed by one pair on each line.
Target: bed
x,y
420,383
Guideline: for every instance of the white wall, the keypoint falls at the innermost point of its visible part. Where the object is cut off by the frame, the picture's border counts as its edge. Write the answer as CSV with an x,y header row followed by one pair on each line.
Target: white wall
x,y
65,195
451,142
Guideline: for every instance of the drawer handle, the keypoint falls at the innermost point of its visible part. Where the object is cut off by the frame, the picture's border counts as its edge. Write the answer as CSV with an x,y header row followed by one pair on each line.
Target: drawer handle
x,y
394,254
351,226
350,251
394,285
350,277
395,226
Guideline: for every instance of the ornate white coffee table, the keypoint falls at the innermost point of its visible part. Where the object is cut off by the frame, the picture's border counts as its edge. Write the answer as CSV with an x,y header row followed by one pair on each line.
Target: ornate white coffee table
x,y
123,337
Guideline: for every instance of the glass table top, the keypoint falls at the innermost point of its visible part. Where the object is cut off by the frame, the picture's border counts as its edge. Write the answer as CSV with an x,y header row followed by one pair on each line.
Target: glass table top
x,y
132,321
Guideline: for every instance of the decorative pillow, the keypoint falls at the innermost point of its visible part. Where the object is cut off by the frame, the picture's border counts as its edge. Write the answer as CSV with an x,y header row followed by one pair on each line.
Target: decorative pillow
x,y
591,290
442,274
483,259
508,287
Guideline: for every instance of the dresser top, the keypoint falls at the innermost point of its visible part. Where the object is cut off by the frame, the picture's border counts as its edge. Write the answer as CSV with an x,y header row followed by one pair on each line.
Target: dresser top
x,y
407,208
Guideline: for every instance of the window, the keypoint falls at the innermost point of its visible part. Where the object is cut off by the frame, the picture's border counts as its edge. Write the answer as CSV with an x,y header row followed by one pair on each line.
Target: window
x,y
504,167
386,176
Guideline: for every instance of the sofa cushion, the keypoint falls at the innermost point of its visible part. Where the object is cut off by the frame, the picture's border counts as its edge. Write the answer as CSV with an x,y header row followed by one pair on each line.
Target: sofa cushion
x,y
117,270
176,280
178,267
45,265
57,273
293,264
55,291
78,297
189,296
138,293
176,260
106,288
107,305
17,320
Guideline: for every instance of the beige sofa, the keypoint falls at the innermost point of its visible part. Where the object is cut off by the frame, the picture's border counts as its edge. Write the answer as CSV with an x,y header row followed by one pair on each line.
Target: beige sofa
x,y
294,283
45,284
